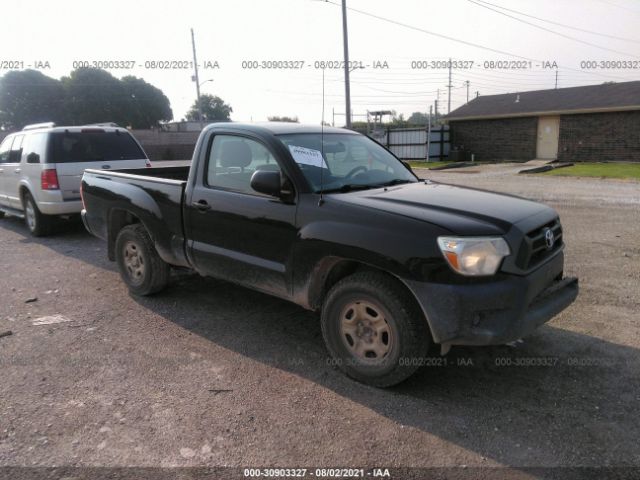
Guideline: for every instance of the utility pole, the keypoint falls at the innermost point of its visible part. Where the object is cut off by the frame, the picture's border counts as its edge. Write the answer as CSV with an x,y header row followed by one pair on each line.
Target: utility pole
x,y
467,83
429,134
196,78
449,87
556,78
345,41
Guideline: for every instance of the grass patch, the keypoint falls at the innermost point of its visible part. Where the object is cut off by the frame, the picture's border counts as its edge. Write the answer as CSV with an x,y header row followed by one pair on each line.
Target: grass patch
x,y
420,164
602,170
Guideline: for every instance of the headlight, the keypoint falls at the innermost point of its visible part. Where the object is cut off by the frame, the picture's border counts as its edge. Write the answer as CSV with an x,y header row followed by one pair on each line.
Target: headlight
x,y
474,256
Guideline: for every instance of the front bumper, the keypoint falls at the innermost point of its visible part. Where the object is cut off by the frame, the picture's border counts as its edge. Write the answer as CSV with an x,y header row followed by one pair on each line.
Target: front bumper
x,y
496,312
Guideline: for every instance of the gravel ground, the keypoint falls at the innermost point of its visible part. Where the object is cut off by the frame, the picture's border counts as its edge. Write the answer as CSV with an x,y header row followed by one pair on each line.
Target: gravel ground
x,y
210,374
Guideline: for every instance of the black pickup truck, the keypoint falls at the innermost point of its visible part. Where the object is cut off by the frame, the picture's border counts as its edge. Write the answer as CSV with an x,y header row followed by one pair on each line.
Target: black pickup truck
x,y
332,221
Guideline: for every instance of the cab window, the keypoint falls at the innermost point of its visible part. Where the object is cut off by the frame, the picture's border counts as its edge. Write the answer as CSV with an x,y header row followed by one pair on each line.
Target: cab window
x,y
233,160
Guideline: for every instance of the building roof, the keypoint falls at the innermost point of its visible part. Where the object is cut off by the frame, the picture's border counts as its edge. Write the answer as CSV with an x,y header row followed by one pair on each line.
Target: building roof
x,y
608,97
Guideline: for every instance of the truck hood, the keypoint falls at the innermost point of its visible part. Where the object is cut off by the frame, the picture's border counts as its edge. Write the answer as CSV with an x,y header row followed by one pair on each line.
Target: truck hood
x,y
463,211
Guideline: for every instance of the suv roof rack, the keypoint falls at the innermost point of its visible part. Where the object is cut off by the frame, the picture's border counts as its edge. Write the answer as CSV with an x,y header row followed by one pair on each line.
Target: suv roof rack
x,y
102,124
35,126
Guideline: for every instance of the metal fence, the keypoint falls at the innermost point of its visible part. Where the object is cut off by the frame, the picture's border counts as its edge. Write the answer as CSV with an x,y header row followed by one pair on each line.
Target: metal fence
x,y
413,143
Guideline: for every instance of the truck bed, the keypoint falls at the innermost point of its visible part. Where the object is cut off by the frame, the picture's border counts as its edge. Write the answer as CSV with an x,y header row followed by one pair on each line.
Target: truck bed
x,y
154,196
170,173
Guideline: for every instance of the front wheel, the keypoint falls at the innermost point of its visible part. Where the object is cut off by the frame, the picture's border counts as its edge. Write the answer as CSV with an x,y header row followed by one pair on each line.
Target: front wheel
x,y
373,329
140,266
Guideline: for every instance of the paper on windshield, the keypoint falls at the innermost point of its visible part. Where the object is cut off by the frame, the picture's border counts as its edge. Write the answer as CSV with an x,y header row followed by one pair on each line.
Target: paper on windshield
x,y
307,156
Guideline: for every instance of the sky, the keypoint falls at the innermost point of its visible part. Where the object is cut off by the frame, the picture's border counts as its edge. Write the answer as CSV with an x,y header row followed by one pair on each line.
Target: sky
x,y
398,36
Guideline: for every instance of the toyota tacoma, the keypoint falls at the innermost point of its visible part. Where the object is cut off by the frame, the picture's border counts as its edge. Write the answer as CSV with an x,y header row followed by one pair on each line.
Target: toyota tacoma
x,y
334,222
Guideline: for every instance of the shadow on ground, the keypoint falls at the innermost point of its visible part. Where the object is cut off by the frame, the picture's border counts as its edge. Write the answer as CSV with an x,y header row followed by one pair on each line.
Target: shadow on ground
x,y
68,238
558,399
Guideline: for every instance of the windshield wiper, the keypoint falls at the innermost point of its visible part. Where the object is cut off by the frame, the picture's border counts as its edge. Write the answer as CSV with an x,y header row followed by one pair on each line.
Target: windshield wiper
x,y
347,187
395,181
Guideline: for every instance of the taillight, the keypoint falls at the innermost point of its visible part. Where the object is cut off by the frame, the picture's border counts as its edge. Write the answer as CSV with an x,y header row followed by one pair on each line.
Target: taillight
x,y
49,179
147,163
82,195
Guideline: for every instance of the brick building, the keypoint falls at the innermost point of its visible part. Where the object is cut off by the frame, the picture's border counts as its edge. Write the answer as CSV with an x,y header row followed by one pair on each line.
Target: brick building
x,y
589,124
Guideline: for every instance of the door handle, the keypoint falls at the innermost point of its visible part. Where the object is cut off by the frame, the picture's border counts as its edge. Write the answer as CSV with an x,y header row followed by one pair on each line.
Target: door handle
x,y
202,205
1,170
18,170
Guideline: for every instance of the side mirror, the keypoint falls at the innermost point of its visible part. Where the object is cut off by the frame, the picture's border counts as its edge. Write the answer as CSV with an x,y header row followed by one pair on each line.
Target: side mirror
x,y
33,158
267,182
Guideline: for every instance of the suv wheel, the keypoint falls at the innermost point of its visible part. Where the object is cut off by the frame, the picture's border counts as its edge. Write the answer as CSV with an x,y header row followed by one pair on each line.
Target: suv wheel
x,y
373,329
140,266
38,224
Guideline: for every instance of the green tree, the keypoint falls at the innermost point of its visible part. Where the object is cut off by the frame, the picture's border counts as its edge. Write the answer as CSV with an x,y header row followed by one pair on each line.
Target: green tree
x,y
145,104
213,109
28,96
85,96
94,96
418,118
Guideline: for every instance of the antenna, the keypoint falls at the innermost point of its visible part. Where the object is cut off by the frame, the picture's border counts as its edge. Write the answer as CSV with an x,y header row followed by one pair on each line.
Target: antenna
x,y
321,200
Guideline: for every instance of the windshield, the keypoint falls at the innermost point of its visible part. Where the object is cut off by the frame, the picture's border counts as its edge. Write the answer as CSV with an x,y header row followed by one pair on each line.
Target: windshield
x,y
347,161
92,146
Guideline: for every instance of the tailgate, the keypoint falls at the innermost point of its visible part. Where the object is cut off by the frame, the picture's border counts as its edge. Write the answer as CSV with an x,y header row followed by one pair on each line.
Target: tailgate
x,y
70,174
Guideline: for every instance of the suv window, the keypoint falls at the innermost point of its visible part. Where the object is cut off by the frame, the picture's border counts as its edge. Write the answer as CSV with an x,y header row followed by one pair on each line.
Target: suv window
x,y
93,146
5,149
233,160
34,148
16,149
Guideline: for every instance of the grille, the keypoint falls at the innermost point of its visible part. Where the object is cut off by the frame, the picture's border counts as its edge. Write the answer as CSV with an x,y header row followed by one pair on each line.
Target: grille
x,y
533,250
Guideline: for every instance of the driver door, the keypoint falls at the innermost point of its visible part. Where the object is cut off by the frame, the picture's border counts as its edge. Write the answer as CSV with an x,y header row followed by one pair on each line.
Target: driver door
x,y
236,233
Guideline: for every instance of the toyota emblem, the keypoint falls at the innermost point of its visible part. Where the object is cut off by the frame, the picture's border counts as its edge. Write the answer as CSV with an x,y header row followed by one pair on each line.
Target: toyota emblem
x,y
549,238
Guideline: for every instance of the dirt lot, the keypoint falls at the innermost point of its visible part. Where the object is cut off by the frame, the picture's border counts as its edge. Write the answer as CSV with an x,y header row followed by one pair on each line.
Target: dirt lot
x,y
210,374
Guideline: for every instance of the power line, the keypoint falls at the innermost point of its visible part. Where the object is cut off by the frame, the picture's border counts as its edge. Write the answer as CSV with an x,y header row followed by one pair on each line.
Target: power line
x,y
620,6
584,30
457,40
552,31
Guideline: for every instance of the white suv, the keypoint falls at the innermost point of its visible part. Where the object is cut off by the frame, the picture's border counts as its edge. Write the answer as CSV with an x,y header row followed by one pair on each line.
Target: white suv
x,y
42,165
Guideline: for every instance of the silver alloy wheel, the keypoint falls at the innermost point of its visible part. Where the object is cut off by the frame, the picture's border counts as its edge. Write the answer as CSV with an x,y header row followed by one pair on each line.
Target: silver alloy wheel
x,y
134,262
30,214
366,332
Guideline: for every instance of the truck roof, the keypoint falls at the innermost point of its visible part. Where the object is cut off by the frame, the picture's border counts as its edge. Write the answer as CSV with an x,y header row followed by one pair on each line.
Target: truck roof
x,y
279,128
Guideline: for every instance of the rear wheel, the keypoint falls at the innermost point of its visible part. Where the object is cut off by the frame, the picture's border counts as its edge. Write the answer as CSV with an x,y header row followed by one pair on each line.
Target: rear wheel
x,y
140,266
38,224
373,329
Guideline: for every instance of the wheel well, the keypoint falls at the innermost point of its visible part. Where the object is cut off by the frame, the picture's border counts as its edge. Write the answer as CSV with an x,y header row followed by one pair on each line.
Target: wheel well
x,y
118,219
342,269
23,190
327,277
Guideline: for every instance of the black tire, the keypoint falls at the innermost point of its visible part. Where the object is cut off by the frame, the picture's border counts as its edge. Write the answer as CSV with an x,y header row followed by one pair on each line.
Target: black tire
x,y
135,247
406,334
38,223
